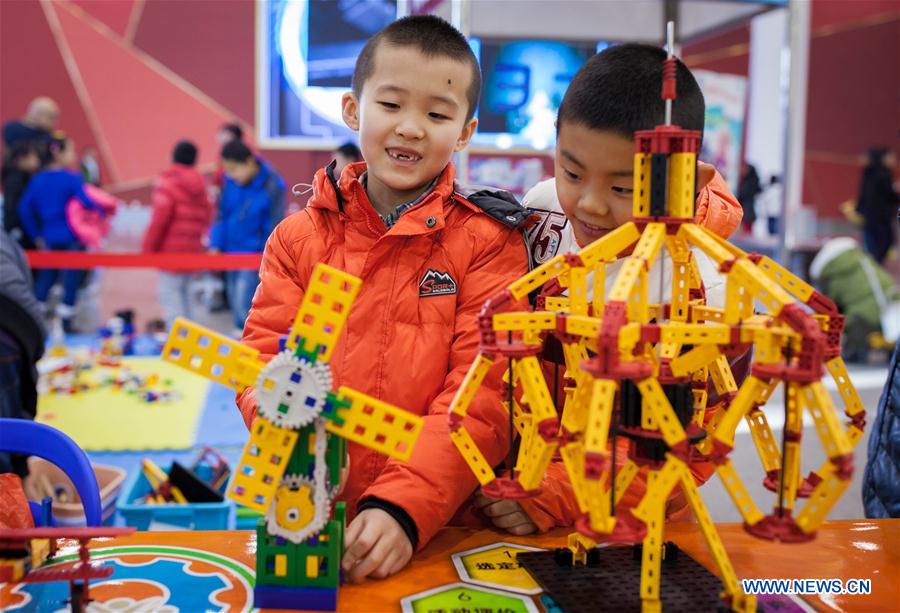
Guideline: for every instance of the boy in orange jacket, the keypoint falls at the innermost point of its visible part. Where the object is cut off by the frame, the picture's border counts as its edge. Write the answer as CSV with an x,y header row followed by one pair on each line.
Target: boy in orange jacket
x,y
614,94
429,254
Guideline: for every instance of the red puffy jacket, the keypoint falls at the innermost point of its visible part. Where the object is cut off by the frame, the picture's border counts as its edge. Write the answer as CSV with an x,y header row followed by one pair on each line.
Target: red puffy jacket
x,y
412,332
182,211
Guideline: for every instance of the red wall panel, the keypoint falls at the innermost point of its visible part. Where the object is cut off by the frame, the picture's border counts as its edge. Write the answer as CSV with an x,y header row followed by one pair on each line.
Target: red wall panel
x,y
727,51
853,89
114,13
210,44
854,80
31,65
832,13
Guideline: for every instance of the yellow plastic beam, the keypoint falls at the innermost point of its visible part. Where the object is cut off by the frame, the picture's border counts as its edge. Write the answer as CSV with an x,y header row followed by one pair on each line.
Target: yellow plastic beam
x,y
376,424
212,355
324,310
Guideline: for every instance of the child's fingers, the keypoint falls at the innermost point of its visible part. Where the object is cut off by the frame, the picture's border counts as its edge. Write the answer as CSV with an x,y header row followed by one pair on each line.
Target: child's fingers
x,y
357,548
705,174
368,563
403,558
523,529
510,520
353,531
386,568
482,501
501,507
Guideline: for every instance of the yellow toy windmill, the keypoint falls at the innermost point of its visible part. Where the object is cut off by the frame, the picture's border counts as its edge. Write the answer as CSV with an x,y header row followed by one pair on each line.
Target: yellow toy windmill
x,y
291,466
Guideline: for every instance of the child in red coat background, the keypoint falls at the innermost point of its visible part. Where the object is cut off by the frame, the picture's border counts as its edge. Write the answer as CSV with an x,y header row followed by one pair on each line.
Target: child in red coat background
x,y
182,214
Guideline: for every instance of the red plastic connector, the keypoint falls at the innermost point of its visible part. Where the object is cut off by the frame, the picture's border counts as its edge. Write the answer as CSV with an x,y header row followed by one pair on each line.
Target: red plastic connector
x,y
781,527
719,453
504,488
573,259
669,72
595,464
650,333
549,429
822,304
843,466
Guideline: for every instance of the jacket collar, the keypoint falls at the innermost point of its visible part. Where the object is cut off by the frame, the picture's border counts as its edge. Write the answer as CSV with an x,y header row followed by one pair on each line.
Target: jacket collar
x,y
347,195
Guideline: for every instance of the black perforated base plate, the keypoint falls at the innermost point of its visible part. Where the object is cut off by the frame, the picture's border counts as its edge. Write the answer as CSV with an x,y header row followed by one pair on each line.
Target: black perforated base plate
x,y
614,583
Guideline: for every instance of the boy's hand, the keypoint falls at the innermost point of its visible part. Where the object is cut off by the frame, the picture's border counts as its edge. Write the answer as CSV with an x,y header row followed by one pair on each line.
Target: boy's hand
x,y
375,546
705,174
506,514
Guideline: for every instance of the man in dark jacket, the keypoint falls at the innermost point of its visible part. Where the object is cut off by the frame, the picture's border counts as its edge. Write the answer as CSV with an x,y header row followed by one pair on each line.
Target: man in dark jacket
x,y
39,122
250,206
22,161
22,337
877,202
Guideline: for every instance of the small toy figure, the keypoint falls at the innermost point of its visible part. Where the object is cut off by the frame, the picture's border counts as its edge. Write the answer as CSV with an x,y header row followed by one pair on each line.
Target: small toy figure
x,y
118,334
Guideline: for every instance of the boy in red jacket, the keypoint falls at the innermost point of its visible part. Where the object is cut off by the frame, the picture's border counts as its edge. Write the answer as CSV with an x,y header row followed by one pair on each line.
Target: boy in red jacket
x,y
182,214
429,253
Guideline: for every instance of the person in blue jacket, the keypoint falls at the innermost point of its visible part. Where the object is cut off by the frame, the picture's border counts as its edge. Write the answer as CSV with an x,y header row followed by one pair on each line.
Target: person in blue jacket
x,y
881,480
251,204
42,213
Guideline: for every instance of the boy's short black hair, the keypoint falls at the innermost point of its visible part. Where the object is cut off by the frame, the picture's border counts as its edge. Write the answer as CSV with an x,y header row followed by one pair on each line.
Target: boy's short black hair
x,y
236,151
185,153
431,35
620,88
350,151
237,133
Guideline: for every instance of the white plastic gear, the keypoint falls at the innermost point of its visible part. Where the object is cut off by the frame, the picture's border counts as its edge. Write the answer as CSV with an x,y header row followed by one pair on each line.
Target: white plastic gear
x,y
321,498
314,383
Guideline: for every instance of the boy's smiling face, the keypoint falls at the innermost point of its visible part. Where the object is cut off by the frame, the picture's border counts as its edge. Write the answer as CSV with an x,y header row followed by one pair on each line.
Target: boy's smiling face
x,y
594,180
411,118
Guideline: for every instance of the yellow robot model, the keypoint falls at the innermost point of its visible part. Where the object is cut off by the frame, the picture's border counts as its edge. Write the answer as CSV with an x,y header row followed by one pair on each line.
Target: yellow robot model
x,y
639,369
291,466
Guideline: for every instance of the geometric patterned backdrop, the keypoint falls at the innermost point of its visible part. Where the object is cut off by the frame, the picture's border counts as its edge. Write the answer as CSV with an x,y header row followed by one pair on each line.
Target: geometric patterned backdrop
x,y
134,76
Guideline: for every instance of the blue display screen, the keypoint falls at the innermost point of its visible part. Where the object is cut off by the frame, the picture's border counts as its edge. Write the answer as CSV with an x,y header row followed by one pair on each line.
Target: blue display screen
x,y
524,82
311,49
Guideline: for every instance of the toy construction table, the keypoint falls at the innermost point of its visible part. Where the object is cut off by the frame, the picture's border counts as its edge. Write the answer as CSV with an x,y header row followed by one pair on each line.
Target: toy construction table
x,y
193,571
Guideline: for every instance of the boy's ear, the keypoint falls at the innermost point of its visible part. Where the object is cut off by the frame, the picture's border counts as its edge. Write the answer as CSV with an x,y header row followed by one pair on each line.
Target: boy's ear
x,y
350,110
466,134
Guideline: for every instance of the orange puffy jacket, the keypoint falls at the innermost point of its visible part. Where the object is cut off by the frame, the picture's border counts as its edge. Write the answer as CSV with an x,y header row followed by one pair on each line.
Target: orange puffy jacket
x,y
720,211
412,332
717,208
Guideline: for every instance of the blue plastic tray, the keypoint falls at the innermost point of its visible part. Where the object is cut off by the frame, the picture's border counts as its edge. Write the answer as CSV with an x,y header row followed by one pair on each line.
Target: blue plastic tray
x,y
190,516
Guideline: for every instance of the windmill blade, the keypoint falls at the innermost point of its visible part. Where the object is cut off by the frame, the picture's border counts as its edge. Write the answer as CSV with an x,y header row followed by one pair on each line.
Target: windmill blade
x,y
212,355
324,310
263,462
375,424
